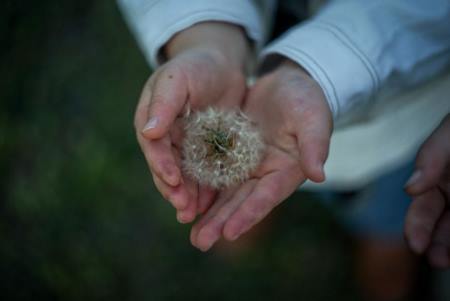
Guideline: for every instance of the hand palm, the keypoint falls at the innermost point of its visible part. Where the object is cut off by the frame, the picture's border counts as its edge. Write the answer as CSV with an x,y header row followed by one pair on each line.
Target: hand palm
x,y
288,108
191,81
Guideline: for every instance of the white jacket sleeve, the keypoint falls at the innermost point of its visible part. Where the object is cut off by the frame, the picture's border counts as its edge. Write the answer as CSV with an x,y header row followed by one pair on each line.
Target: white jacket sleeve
x,y
355,47
154,22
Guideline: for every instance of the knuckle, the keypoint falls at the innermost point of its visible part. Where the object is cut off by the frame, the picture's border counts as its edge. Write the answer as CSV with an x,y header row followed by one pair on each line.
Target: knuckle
x,y
157,100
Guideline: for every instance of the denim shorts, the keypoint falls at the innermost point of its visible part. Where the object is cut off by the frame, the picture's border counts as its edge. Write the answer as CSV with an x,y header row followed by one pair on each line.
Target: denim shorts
x,y
376,211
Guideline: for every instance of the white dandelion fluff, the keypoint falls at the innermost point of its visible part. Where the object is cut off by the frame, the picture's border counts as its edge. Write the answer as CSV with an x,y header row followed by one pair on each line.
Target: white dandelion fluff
x,y
220,148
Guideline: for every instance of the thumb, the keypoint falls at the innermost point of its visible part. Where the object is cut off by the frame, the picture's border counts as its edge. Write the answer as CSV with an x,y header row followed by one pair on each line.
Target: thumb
x,y
432,160
313,136
168,97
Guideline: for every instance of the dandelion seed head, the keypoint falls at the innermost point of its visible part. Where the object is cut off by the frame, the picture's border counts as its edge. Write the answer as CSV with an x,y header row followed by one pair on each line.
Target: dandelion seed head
x,y
220,148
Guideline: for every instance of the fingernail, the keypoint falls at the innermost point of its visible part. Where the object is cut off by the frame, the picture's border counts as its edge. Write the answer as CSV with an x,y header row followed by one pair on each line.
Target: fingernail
x,y
151,124
235,236
414,178
235,233
233,230
207,239
181,218
206,247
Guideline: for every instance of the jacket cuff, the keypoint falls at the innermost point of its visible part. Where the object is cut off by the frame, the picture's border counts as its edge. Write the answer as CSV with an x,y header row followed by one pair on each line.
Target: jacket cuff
x,y
154,26
331,59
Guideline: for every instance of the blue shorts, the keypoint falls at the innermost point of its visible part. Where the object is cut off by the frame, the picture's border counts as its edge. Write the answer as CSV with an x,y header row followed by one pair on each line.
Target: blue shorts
x,y
376,211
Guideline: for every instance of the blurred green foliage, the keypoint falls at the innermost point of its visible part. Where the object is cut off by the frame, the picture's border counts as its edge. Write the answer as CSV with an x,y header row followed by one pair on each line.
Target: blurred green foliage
x,y
79,216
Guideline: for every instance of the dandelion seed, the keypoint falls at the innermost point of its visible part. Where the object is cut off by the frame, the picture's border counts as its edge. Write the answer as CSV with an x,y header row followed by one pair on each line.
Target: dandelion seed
x,y
220,148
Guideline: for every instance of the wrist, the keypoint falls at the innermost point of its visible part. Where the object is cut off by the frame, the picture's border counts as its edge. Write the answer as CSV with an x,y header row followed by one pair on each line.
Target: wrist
x,y
214,37
288,65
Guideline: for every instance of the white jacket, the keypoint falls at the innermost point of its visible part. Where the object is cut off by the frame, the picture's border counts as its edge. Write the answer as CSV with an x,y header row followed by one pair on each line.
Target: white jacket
x,y
356,50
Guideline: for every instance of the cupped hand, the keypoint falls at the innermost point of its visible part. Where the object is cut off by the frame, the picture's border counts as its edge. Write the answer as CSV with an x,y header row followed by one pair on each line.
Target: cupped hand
x,y
427,223
199,73
290,109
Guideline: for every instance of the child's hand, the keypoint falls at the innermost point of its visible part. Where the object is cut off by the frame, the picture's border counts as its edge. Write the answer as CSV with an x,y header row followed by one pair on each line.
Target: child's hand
x,y
427,224
202,70
291,110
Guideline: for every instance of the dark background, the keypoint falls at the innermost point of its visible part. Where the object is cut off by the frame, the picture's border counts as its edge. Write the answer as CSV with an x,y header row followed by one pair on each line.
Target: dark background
x,y
80,218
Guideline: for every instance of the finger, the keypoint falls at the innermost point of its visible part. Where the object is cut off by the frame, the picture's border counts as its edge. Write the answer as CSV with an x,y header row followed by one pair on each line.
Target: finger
x,y
188,214
177,133
220,200
439,256
168,97
161,159
439,251
141,113
313,134
209,229
432,160
421,219
313,154
157,153
178,196
190,192
205,198
441,234
270,191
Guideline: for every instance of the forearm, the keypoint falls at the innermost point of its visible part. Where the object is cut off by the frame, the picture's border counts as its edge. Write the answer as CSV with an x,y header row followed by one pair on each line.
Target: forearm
x,y
227,39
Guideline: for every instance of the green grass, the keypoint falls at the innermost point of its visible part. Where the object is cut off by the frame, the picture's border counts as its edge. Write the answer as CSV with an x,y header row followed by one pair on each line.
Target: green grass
x,y
79,216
